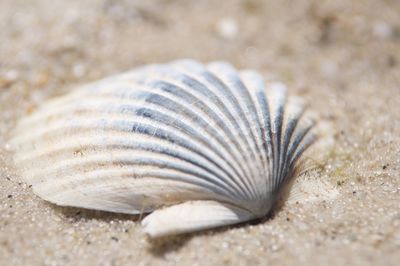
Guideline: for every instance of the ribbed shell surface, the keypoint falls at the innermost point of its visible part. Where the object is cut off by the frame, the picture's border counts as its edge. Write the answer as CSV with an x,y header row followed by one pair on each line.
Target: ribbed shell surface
x,y
165,134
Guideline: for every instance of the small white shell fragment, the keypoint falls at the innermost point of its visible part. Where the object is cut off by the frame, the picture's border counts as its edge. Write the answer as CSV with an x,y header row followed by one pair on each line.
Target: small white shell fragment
x,y
193,216
200,145
382,30
11,75
227,28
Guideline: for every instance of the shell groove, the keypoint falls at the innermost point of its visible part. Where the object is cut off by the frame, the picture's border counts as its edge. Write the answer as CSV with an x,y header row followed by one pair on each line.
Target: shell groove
x,y
210,140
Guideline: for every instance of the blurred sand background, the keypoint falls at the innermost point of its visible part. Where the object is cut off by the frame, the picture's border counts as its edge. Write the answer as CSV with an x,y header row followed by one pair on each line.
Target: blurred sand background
x,y
342,56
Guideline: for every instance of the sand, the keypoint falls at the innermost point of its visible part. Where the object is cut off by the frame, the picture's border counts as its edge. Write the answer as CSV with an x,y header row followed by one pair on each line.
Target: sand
x,y
342,56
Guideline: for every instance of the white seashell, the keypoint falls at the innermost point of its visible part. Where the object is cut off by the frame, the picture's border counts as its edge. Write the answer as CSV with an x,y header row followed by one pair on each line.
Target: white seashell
x,y
204,146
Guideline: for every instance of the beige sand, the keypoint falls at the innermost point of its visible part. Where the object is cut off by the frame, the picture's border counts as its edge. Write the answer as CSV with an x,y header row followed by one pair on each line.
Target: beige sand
x,y
343,57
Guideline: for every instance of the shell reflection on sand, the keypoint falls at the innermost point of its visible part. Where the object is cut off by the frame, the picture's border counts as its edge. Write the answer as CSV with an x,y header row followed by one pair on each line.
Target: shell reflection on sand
x,y
200,145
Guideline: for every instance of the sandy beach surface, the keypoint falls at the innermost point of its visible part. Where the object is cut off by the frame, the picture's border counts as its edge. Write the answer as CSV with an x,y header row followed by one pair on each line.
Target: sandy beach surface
x,y
342,56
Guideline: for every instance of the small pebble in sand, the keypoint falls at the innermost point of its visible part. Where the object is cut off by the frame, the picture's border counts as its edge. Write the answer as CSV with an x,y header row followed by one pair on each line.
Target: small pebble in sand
x,y
79,70
7,78
7,147
11,75
227,28
382,30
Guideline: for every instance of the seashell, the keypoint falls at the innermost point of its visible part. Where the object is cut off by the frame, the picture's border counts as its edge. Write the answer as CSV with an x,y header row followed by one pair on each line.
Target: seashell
x,y
199,146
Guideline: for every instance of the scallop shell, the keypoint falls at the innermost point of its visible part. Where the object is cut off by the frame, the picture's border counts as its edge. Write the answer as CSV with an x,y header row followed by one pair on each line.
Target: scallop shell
x,y
200,145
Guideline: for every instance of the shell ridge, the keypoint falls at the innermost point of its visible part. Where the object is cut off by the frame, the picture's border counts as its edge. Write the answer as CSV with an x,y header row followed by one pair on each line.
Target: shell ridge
x,y
210,112
234,88
255,127
143,198
243,179
309,139
149,130
299,145
215,117
278,98
202,176
190,132
291,124
297,141
144,128
216,82
256,86
267,136
192,84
